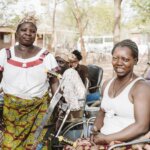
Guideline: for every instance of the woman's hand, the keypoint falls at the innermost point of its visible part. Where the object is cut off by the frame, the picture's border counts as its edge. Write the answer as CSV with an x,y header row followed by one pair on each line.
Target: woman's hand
x,y
100,139
97,137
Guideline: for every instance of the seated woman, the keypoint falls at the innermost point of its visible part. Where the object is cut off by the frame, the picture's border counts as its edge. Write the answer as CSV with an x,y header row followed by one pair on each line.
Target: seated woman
x,y
72,87
125,109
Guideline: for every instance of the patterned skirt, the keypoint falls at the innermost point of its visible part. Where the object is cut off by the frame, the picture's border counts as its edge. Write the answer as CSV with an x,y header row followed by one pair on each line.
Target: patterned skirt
x,y
21,118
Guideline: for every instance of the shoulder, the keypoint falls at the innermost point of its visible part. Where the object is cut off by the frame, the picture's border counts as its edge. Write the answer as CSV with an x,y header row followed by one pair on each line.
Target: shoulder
x,y
83,68
105,83
141,87
70,70
47,54
140,84
3,51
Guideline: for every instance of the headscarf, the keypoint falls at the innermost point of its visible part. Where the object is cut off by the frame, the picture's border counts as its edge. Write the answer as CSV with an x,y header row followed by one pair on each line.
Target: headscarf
x,y
63,53
28,18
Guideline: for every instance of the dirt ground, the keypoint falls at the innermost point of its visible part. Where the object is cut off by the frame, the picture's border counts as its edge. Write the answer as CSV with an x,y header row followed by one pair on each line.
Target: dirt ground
x,y
104,61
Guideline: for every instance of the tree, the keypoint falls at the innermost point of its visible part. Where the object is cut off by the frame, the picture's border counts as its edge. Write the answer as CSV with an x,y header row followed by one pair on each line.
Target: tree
x,y
101,19
117,16
79,11
143,10
6,16
53,37
143,17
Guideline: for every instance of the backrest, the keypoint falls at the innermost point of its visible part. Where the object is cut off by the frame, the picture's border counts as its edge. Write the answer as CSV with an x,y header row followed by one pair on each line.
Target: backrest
x,y
95,77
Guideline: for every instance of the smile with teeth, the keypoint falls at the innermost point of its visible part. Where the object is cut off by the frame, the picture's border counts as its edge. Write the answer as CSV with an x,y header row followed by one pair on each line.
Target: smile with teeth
x,y
119,69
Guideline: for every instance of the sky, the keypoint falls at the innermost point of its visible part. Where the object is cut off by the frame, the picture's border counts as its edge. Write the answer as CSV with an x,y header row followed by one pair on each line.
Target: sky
x,y
35,5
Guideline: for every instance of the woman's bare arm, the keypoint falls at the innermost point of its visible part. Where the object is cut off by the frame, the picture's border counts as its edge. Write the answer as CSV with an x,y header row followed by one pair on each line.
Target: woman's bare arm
x,y
54,83
98,123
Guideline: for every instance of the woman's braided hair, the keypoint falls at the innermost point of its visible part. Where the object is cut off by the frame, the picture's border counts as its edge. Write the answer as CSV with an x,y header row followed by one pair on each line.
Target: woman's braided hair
x,y
130,44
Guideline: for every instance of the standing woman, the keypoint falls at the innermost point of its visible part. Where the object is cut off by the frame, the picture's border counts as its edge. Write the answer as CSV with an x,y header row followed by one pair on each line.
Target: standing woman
x,y
25,85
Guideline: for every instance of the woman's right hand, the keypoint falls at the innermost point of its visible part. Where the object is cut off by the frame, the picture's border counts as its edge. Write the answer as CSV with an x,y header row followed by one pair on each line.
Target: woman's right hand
x,y
94,131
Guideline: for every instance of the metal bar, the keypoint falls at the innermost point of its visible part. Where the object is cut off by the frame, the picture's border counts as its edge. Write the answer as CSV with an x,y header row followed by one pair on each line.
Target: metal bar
x,y
129,143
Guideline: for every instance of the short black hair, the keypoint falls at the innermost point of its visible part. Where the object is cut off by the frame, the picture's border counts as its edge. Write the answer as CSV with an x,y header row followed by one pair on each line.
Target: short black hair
x,y
77,54
130,44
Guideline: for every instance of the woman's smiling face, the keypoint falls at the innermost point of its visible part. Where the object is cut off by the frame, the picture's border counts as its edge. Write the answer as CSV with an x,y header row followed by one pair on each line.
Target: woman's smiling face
x,y
123,60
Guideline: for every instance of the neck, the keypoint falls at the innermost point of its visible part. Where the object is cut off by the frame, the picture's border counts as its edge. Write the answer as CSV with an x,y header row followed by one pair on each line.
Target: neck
x,y
24,47
121,82
130,76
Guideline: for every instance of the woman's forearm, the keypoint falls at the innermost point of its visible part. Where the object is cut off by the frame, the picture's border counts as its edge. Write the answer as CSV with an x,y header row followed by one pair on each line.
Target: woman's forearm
x,y
131,132
99,119
54,83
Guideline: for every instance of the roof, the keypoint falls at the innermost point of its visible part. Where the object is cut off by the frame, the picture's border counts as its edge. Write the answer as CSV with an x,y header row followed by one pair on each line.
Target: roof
x,y
6,29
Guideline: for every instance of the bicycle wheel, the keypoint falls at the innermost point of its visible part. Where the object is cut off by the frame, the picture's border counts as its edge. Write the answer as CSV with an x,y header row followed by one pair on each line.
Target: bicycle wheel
x,y
75,130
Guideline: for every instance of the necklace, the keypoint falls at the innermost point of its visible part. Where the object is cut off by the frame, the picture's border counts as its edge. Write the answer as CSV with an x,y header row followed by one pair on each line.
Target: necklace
x,y
115,90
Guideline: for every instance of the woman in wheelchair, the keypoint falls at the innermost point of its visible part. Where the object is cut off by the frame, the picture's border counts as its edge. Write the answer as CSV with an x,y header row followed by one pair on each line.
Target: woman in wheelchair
x,y
72,87
124,114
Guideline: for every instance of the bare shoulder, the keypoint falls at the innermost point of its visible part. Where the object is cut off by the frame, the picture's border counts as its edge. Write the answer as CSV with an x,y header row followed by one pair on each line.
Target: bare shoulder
x,y
105,84
142,84
142,87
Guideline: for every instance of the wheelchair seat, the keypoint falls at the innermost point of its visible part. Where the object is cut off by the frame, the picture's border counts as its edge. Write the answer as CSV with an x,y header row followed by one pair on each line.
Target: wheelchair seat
x,y
95,78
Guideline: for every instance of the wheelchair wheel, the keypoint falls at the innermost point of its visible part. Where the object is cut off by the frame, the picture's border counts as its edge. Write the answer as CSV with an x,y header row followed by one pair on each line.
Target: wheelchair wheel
x,y
74,130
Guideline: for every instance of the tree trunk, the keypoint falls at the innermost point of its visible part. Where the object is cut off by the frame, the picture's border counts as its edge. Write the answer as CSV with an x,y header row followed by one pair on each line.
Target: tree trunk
x,y
117,16
53,40
77,16
83,50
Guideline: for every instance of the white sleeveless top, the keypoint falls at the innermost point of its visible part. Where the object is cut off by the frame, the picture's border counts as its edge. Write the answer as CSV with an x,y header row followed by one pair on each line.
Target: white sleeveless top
x,y
26,83
119,111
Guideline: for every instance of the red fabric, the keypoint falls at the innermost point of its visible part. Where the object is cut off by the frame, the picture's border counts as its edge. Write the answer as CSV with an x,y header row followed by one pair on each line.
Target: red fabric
x,y
28,64
24,65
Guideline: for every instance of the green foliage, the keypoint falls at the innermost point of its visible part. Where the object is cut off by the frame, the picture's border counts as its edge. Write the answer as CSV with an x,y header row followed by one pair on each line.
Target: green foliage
x,y
101,19
143,10
8,17
100,16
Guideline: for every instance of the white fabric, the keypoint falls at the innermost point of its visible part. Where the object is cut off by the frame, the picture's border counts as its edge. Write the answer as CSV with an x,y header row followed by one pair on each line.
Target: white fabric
x,y
73,88
26,82
119,110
